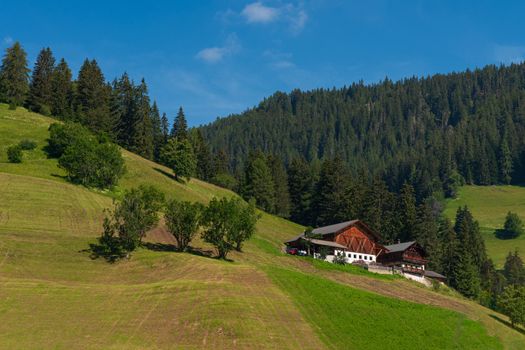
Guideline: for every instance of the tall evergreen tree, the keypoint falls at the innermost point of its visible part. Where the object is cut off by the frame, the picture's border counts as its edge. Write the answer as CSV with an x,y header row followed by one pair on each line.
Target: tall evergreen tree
x,y
142,135
300,184
40,89
62,91
467,230
180,126
280,181
513,269
505,162
203,155
407,213
329,201
426,232
156,125
14,76
178,155
165,127
92,98
259,182
465,275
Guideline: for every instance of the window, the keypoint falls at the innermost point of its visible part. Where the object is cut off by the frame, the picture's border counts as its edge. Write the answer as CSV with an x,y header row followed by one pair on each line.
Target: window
x,y
349,255
366,257
360,257
355,256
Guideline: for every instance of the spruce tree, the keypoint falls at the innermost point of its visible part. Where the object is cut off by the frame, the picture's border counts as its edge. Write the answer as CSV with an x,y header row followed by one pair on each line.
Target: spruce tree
x,y
407,212
156,125
465,275
92,98
505,162
14,76
164,127
259,182
330,195
62,91
426,233
142,134
513,269
280,181
450,245
40,89
180,126
300,184
469,236
179,156
203,155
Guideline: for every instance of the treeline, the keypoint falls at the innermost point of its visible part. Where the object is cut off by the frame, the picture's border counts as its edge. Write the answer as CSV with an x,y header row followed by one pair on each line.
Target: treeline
x,y
121,111
432,132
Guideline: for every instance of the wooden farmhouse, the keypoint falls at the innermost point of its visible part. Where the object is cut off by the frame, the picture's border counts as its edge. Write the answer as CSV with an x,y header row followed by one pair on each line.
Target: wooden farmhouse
x,y
359,244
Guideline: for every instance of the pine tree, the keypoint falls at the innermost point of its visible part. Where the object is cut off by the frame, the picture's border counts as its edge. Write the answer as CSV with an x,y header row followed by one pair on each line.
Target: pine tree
x,y
40,89
513,269
450,245
465,275
62,91
505,162
426,233
123,108
330,195
92,98
407,213
164,127
142,135
259,183
180,126
158,136
300,184
280,181
467,230
203,155
14,76
179,156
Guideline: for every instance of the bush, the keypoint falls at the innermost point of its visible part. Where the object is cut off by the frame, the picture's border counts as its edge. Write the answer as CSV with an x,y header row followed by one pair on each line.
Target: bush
x,y
183,221
340,258
27,145
92,164
513,227
61,136
14,154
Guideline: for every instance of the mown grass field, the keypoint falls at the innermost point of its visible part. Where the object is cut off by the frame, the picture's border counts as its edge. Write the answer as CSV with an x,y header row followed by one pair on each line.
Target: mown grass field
x,y
490,205
53,295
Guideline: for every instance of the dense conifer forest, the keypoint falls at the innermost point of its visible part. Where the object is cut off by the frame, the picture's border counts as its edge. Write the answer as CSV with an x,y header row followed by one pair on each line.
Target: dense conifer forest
x,y
433,132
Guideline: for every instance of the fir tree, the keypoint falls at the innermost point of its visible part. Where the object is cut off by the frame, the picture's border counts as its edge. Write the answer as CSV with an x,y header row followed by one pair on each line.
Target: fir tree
x,y
203,155
464,276
426,233
40,89
300,184
467,230
92,98
407,212
178,155
259,182
14,76
156,126
329,201
513,269
62,91
180,126
505,162
141,139
280,181
164,127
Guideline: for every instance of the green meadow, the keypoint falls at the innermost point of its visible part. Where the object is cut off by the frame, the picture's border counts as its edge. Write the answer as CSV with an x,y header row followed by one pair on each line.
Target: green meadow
x,y
54,295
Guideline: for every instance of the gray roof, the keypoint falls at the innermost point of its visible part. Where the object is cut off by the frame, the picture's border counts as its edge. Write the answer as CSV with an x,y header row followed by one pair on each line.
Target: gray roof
x,y
400,247
327,243
433,274
326,230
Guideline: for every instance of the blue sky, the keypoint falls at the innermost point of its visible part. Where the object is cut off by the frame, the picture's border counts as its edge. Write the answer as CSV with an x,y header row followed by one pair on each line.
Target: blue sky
x,y
220,57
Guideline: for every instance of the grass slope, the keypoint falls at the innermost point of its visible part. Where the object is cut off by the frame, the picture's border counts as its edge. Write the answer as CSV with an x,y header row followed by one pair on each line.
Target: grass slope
x,y
52,295
489,205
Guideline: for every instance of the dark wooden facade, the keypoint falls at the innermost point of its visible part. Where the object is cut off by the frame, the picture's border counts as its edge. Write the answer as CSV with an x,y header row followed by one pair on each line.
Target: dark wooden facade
x,y
410,257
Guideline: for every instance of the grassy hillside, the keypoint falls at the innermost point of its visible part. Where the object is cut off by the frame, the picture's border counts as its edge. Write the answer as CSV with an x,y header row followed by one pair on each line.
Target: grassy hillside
x,y
53,295
489,205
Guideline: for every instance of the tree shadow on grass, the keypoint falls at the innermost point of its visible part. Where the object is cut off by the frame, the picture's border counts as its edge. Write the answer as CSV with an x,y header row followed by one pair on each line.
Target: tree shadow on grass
x,y
170,175
504,234
98,251
163,247
508,324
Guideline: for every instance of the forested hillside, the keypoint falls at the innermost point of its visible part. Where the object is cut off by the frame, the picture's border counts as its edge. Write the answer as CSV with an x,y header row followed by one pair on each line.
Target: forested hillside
x,y
433,132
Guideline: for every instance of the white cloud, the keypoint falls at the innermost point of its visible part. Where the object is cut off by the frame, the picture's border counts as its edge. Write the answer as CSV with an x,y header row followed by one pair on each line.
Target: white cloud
x,y
509,54
293,15
283,65
258,13
216,54
8,40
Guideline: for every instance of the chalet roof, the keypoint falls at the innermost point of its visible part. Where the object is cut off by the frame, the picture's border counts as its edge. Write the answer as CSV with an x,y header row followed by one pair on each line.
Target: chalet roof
x,y
326,243
433,274
326,230
399,247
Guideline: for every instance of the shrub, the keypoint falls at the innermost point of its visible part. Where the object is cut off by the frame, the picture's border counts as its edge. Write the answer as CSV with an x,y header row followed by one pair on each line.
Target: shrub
x,y
61,136
27,145
14,154
92,164
340,258
513,226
